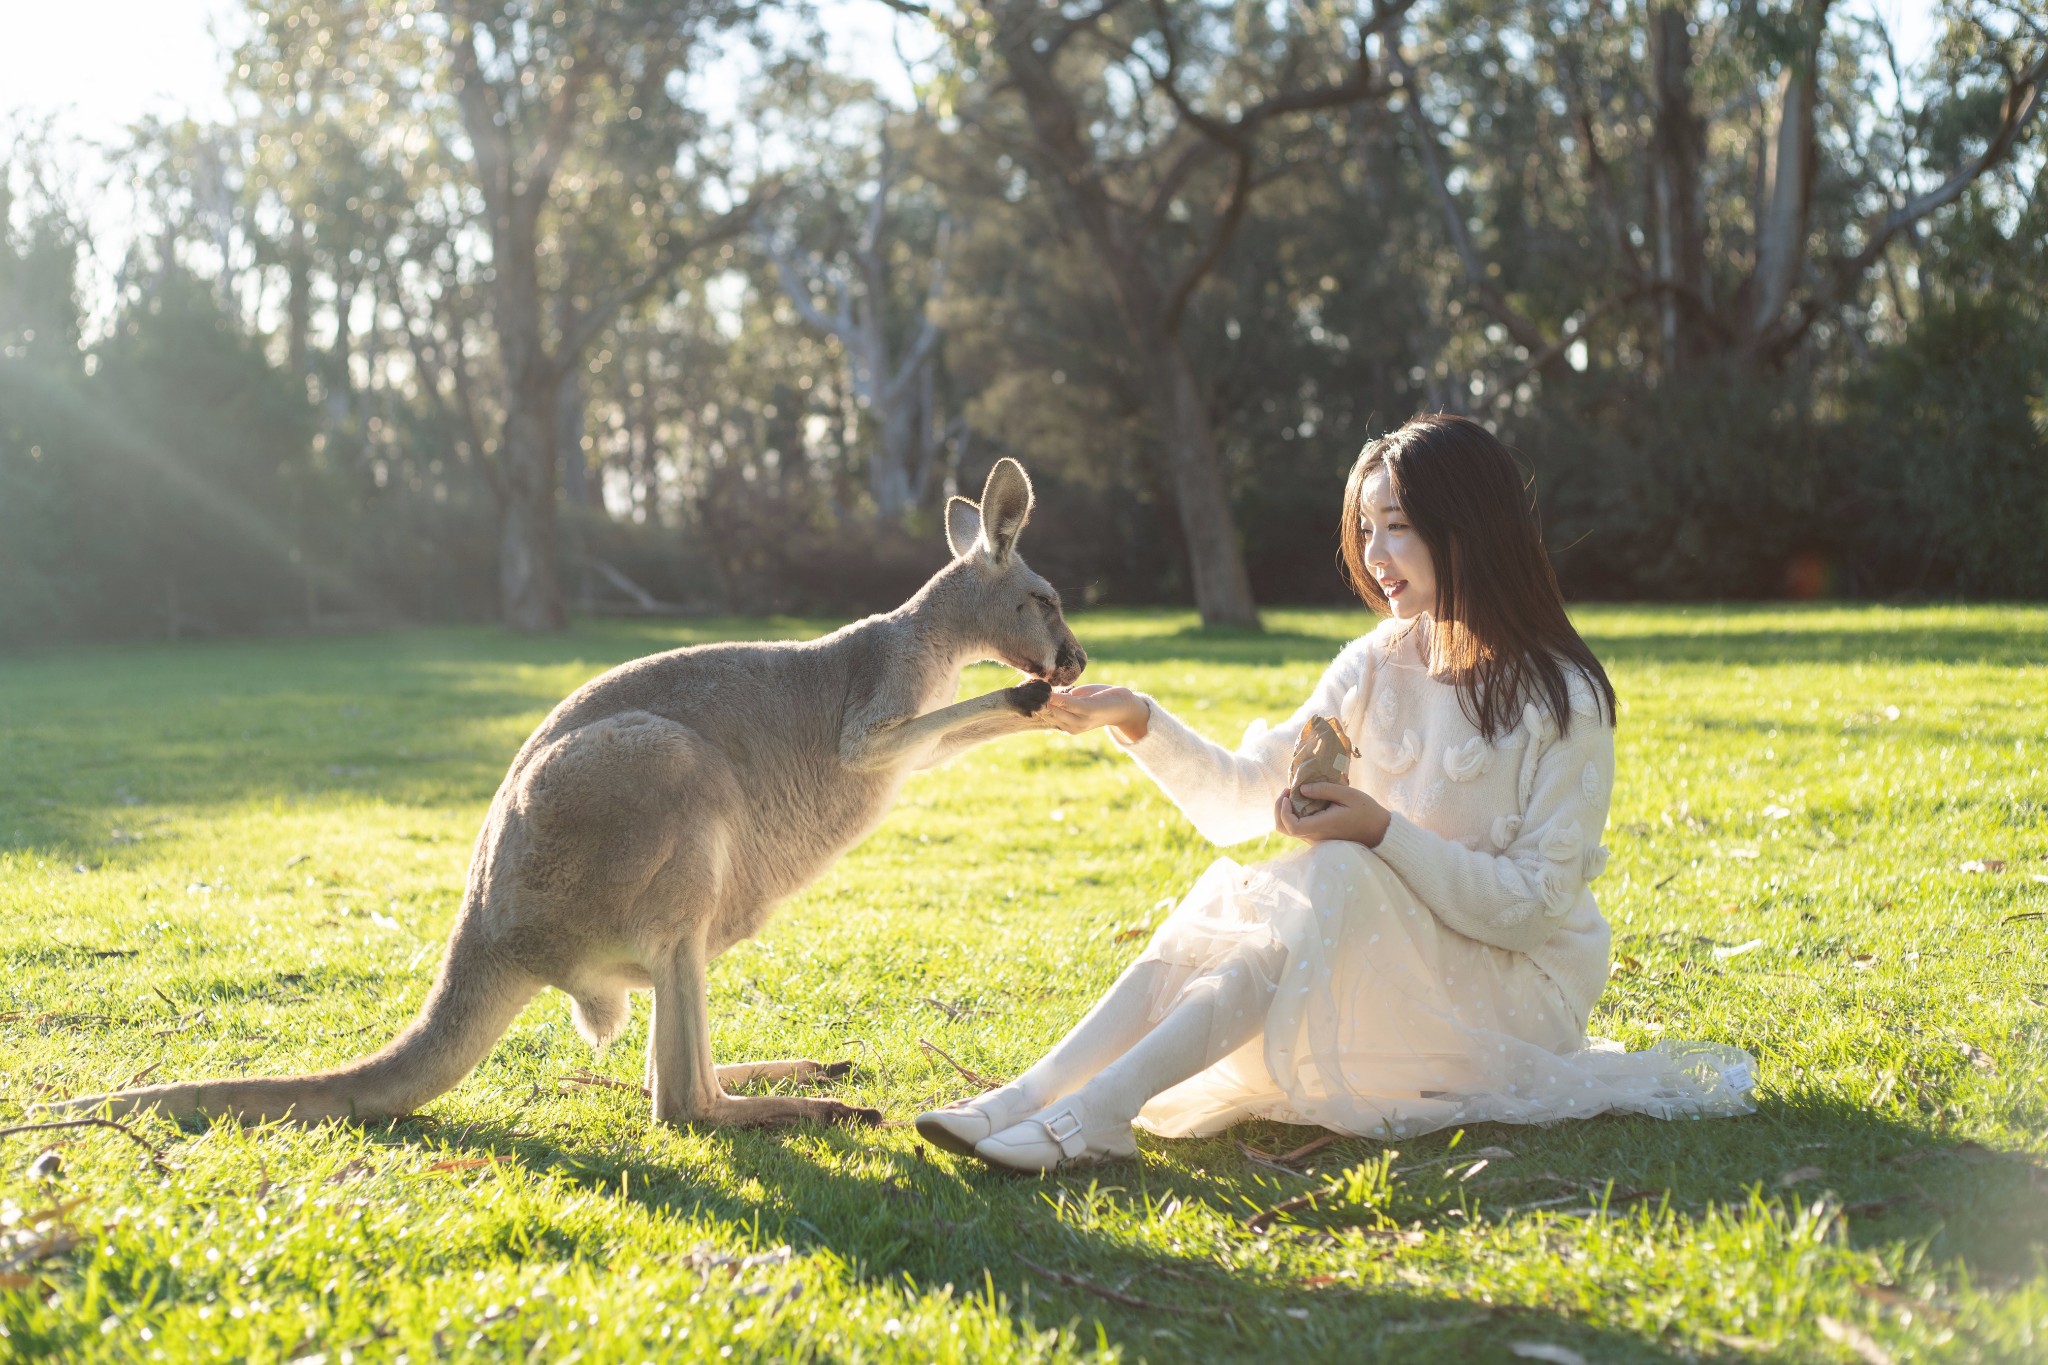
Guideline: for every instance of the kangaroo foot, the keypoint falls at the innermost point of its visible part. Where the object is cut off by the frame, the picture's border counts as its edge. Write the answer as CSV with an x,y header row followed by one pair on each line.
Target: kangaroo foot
x,y
1028,697
779,1111
800,1070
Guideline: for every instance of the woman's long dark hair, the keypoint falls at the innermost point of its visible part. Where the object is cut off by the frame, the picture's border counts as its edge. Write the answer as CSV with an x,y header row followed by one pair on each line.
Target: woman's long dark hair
x,y
1501,632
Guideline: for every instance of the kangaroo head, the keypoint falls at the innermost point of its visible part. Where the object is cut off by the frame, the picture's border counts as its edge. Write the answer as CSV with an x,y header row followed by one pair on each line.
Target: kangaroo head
x,y
1009,611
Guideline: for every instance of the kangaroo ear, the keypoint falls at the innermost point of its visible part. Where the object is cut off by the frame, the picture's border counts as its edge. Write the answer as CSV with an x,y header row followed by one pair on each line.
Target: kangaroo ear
x,y
963,526
1005,507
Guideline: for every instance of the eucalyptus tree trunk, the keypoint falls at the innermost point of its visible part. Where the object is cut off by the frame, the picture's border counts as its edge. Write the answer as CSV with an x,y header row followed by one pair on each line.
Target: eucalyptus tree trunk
x,y
1677,149
891,382
1223,589
1145,307
529,582
1789,167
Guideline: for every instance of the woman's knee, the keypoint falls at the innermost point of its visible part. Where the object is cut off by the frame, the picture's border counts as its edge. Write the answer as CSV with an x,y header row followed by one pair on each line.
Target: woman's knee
x,y
1345,861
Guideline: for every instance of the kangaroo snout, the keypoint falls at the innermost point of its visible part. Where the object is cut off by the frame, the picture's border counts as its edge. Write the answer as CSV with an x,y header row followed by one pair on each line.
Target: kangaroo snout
x,y
1068,665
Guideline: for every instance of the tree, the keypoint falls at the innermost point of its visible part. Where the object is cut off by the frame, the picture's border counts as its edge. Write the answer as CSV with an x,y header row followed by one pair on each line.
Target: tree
x,y
1727,278
555,137
890,360
1156,125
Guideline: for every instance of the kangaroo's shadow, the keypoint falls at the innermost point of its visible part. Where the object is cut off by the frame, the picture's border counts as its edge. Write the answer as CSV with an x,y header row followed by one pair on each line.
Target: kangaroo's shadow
x,y
1162,1257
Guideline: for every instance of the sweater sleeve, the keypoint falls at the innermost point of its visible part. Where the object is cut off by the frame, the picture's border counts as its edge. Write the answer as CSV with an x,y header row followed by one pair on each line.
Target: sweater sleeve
x,y
1229,794
1515,898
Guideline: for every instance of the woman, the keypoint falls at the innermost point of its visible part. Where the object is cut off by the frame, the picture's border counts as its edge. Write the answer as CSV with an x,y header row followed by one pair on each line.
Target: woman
x,y
1432,955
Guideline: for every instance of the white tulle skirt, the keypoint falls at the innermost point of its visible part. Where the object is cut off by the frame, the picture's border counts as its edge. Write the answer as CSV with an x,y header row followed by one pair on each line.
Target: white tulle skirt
x,y
1383,1022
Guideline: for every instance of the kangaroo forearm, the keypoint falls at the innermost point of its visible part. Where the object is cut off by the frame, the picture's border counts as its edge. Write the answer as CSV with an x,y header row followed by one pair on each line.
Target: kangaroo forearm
x,y
909,741
980,732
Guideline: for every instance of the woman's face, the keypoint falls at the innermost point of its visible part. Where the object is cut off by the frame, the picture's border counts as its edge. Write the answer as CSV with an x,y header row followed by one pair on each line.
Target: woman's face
x,y
1394,553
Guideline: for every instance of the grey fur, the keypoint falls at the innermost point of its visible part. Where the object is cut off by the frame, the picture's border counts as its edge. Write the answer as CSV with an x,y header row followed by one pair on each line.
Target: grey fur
x,y
661,811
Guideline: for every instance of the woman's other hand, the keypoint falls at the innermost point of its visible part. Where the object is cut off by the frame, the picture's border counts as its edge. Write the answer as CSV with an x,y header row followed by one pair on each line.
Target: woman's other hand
x,y
1351,815
1093,705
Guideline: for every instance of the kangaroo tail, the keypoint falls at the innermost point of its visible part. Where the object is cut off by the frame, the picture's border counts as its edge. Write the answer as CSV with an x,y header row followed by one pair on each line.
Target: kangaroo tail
x,y
474,998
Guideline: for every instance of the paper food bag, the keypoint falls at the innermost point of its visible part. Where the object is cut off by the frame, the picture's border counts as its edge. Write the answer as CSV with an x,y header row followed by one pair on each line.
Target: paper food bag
x,y
1322,754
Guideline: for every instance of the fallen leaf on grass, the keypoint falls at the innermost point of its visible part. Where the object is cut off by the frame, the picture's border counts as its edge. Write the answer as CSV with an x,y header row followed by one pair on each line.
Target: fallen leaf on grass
x,y
1624,963
705,1259
1320,1281
1737,950
1794,1177
2030,914
1131,934
1546,1350
469,1163
593,1080
1899,1299
1407,1237
35,1239
1438,1324
1984,865
1856,1339
1979,1058
1286,1158
353,1170
1735,1342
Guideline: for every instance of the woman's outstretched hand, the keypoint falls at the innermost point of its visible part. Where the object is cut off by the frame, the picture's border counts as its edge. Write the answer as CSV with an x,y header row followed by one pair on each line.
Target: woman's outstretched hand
x,y
1093,705
1351,815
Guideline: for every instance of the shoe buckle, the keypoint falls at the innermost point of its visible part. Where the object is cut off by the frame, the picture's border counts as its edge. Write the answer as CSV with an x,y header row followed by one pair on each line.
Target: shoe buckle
x,y
1064,1126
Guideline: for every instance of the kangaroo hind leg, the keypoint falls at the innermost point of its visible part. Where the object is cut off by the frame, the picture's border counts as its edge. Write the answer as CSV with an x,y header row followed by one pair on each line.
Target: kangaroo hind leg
x,y
685,1083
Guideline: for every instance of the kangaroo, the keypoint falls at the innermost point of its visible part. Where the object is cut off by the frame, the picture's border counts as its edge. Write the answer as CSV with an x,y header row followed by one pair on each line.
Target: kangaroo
x,y
658,815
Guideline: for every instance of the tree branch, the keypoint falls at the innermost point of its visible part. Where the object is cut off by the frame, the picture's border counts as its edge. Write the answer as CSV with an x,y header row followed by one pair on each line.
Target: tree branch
x,y
1430,152
670,259
2023,99
557,137
1227,223
483,120
798,291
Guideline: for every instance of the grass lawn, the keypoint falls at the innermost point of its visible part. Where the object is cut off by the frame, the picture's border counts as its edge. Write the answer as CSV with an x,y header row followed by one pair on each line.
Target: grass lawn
x,y
1830,843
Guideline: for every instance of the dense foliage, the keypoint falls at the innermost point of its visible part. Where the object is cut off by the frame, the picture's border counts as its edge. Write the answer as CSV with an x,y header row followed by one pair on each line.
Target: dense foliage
x,y
478,310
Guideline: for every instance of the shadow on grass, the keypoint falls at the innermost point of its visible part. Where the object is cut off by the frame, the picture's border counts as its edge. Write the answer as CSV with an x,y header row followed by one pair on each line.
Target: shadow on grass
x,y
931,1222
1096,1247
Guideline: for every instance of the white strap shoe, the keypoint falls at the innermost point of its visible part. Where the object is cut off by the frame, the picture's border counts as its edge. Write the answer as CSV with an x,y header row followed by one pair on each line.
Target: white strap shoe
x,y
1054,1138
957,1127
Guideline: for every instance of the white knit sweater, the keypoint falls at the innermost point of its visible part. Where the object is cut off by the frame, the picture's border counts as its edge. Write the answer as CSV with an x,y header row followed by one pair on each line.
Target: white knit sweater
x,y
1499,839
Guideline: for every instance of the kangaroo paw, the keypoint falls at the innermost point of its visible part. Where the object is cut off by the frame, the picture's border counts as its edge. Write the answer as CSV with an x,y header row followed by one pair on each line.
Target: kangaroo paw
x,y
779,1111
1028,697
851,1116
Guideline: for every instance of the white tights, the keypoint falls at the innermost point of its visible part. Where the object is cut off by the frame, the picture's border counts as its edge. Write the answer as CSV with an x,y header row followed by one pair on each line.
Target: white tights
x,y
1117,1057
